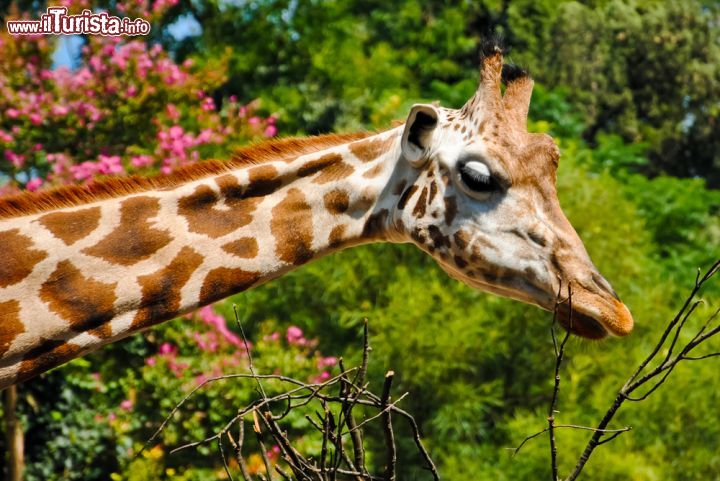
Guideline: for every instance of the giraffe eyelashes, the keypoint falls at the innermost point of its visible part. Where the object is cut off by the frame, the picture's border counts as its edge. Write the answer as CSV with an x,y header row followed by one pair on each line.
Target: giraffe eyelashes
x,y
476,179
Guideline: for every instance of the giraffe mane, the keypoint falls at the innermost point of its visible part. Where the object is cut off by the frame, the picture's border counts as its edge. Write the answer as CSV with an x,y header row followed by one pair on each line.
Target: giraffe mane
x,y
72,195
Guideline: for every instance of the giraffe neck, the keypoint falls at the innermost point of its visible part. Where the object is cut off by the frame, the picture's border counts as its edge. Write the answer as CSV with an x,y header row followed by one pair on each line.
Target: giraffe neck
x,y
80,277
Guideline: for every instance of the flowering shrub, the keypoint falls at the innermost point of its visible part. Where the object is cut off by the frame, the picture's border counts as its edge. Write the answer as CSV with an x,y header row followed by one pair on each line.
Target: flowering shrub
x,y
177,366
127,109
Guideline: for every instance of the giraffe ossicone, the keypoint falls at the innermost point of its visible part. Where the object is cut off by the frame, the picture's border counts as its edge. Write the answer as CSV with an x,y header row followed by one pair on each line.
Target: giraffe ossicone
x,y
86,266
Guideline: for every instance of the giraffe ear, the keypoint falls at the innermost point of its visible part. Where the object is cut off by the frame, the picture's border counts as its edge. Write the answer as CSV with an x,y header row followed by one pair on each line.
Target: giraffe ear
x,y
417,137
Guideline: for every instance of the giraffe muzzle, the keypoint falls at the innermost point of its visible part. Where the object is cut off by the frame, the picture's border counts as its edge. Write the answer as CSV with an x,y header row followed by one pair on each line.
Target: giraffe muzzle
x,y
595,315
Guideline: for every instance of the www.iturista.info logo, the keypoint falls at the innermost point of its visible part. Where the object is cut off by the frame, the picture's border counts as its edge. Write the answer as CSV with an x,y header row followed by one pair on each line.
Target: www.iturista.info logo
x,y
57,22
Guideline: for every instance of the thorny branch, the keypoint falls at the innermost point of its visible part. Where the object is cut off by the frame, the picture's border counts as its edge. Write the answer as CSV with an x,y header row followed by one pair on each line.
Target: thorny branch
x,y
643,377
342,453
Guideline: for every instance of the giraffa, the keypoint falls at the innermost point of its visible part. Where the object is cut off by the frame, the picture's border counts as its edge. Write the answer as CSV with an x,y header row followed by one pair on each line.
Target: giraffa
x,y
84,266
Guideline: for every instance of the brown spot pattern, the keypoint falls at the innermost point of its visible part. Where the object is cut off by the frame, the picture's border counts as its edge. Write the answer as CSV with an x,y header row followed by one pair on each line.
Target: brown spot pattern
x,y
375,225
373,172
199,208
134,239
406,196
315,166
460,262
10,324
70,227
362,204
439,239
262,181
433,191
245,247
334,173
336,201
450,209
47,355
161,289
85,303
336,235
421,204
18,259
370,149
291,225
462,239
223,281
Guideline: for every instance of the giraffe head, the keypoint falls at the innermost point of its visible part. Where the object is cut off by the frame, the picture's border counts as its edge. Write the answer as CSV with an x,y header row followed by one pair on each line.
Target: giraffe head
x,y
481,199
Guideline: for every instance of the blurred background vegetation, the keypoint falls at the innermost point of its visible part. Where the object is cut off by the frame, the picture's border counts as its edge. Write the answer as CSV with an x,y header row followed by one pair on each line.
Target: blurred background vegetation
x,y
629,89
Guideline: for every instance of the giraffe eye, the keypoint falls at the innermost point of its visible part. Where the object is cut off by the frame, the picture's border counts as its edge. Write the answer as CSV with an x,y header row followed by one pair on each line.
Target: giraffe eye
x,y
476,177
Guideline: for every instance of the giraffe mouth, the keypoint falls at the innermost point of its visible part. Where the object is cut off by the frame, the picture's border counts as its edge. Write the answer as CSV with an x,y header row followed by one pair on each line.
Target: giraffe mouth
x,y
594,316
580,324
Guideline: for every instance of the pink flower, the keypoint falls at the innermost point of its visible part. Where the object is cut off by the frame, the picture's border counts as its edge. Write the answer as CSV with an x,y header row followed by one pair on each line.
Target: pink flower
x,y
176,132
59,110
126,405
275,336
110,164
294,335
83,171
254,120
172,112
12,113
16,160
35,119
167,349
34,184
5,137
177,367
141,161
270,131
324,362
208,104
151,361
274,452
219,323
208,342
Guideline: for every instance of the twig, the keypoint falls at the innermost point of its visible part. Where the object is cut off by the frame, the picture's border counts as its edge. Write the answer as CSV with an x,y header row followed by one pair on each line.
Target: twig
x,y
237,446
261,443
335,461
250,361
559,355
572,426
391,456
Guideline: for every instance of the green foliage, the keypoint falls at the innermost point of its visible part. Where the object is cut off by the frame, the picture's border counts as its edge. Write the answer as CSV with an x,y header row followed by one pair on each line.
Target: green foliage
x,y
615,80
647,70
